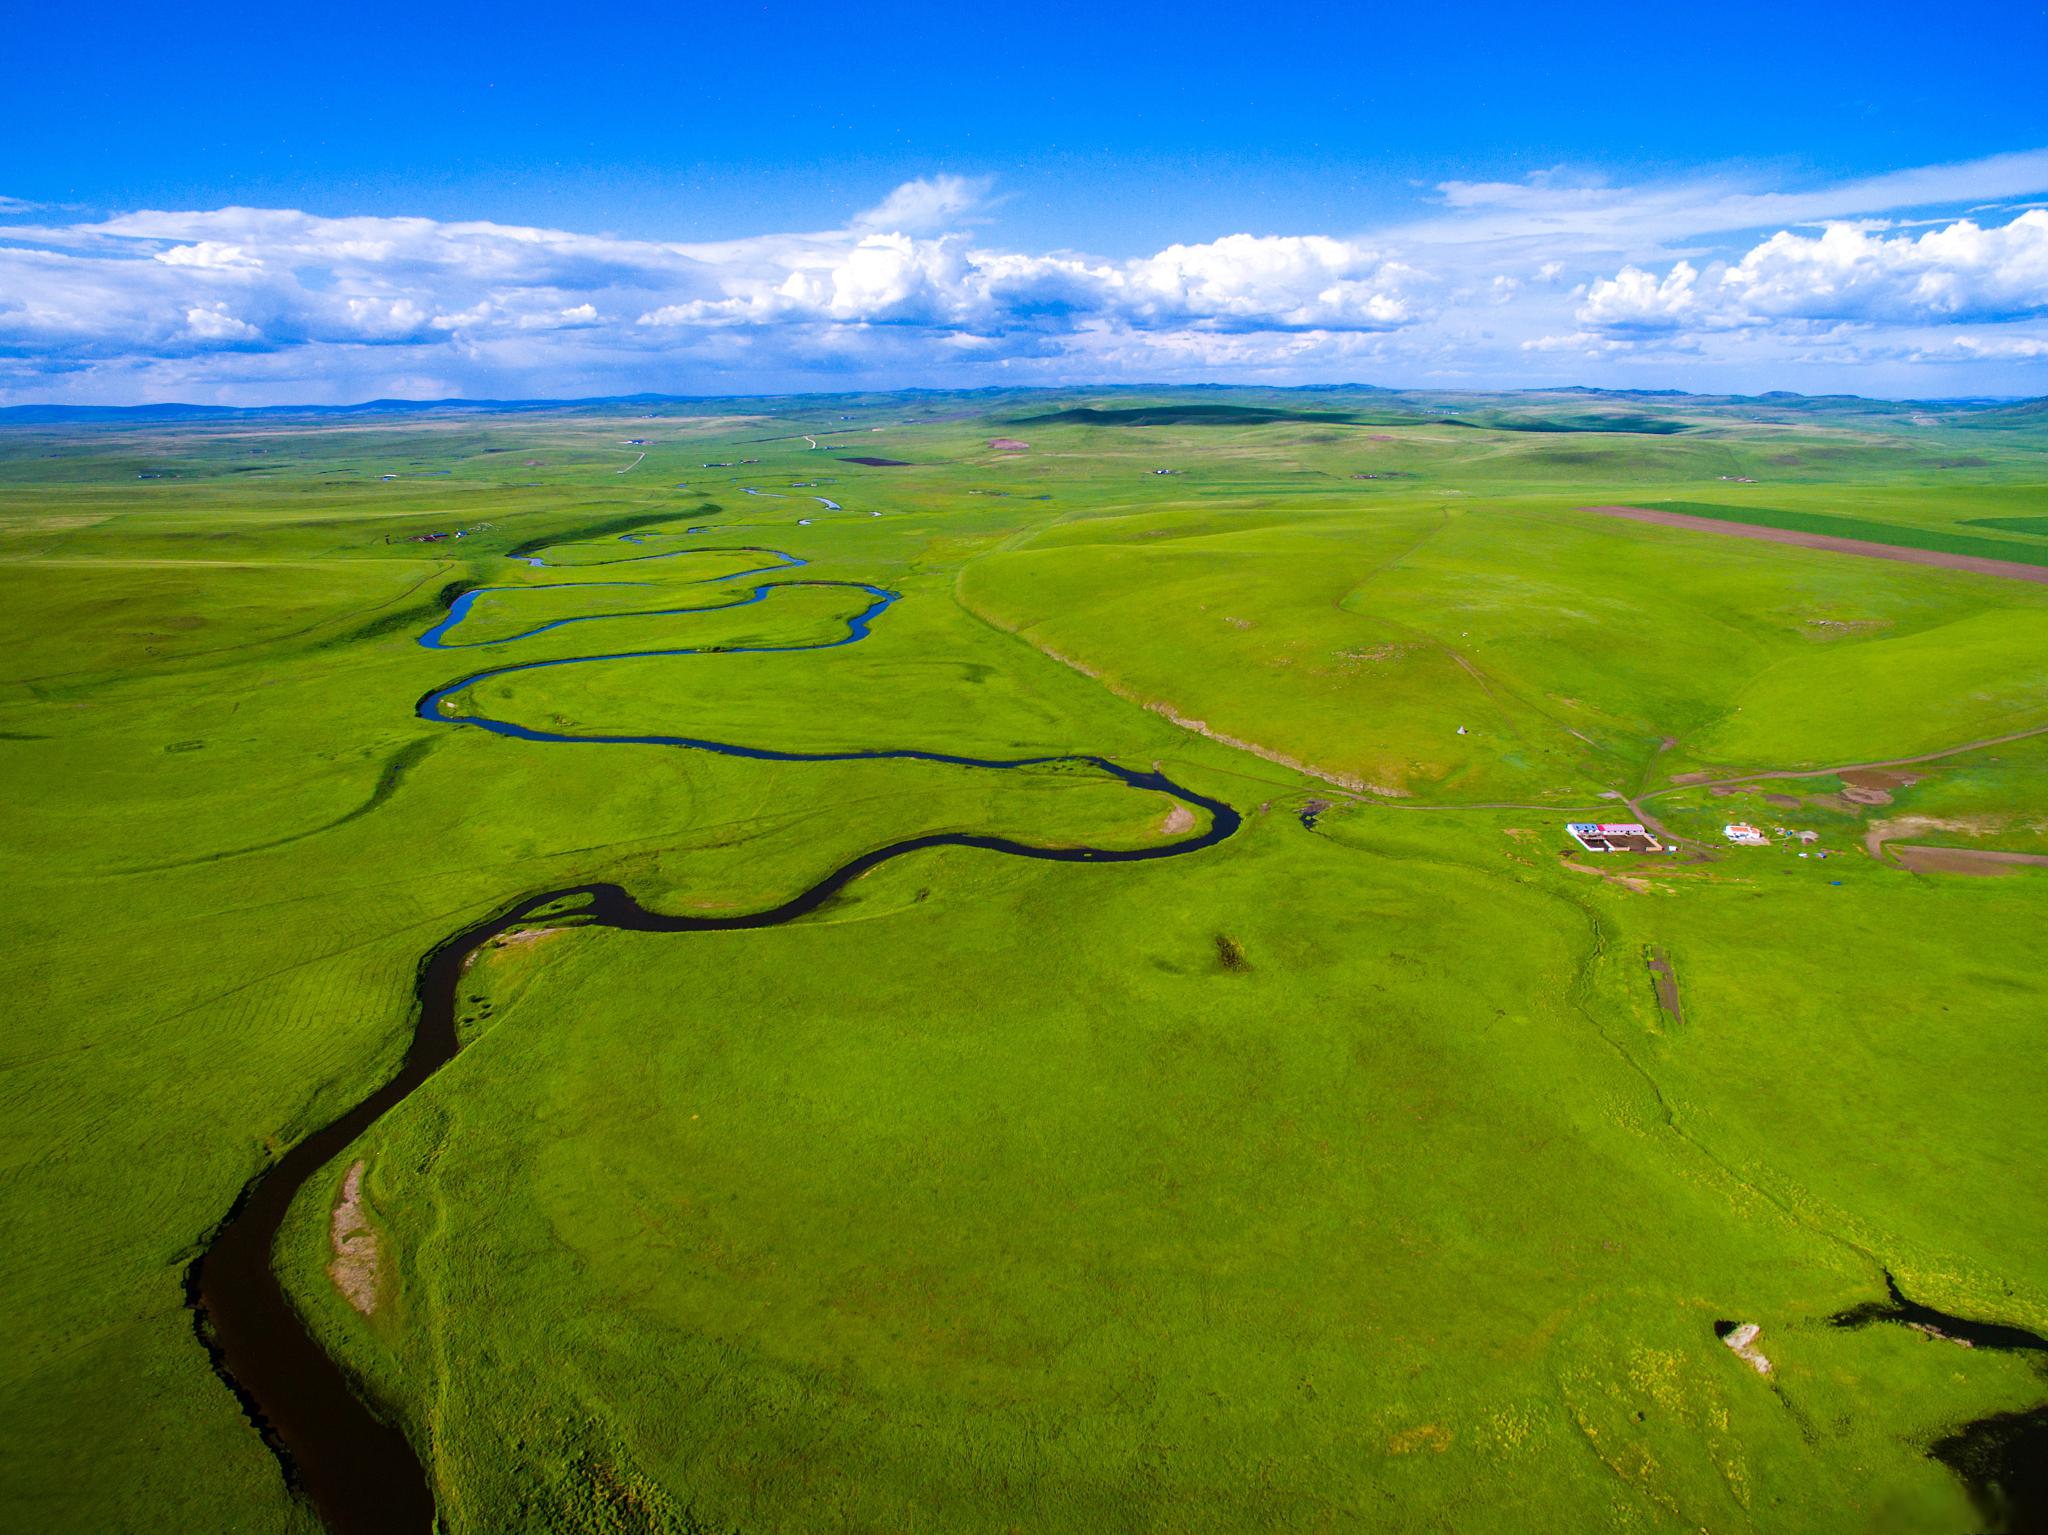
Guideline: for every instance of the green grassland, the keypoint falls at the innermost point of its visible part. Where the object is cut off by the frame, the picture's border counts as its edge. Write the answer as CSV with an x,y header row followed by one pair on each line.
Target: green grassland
x,y
1345,1176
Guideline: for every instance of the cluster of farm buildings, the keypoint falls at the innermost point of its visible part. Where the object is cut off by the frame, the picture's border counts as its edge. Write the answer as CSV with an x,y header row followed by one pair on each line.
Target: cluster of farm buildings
x,y
1634,837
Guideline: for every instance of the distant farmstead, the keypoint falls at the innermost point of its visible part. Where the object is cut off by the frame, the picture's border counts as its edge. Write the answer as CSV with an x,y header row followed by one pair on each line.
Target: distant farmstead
x,y
1614,837
1745,835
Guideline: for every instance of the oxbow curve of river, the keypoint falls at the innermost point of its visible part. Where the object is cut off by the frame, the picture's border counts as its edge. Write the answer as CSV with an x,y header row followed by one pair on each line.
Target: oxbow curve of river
x,y
359,1471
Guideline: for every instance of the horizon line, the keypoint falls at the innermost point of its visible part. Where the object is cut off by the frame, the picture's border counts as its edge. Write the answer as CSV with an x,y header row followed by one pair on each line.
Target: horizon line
x,y
396,404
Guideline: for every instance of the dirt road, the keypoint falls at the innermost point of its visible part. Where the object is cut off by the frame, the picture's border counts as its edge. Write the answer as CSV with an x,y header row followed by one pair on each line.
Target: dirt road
x,y
1849,767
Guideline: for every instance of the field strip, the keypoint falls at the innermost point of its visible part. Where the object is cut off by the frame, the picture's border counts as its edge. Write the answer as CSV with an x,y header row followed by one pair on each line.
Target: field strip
x,y
2011,569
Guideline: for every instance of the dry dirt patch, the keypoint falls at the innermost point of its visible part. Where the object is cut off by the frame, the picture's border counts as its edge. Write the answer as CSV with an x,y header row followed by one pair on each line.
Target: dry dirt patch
x,y
1626,881
1876,778
1880,832
1873,786
355,1267
526,937
1984,862
1742,1342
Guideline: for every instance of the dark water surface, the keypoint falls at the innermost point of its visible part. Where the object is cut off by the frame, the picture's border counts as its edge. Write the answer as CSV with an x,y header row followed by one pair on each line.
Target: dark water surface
x,y
358,1470
2002,1459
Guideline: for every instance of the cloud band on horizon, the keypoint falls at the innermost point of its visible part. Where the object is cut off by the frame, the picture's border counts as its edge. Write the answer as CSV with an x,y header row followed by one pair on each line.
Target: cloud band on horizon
x,y
1503,285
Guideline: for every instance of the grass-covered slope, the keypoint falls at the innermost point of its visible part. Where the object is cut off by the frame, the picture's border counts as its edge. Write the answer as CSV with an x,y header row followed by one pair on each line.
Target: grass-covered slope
x,y
1351,1174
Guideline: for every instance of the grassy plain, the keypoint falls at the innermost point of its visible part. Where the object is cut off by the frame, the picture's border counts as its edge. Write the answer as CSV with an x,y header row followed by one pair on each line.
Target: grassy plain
x,y
992,1197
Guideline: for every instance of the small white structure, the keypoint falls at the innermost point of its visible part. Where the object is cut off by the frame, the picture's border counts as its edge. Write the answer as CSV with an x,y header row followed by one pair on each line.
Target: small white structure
x,y
1744,835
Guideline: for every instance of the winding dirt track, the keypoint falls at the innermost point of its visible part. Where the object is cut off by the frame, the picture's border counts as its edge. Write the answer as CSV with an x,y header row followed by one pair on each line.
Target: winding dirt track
x,y
1849,767
2011,569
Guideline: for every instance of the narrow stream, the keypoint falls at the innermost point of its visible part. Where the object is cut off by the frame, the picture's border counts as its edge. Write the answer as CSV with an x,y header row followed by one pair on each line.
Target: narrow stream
x,y
359,1471
2002,1459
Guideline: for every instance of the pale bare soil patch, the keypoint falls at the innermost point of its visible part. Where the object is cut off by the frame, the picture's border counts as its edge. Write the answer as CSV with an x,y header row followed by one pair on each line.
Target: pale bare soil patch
x,y
1743,1341
1877,778
1626,881
1878,833
1983,862
356,1262
526,937
521,938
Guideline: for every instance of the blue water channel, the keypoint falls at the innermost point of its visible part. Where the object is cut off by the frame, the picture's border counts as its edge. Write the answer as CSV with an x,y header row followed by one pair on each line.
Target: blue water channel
x,y
358,1470
434,706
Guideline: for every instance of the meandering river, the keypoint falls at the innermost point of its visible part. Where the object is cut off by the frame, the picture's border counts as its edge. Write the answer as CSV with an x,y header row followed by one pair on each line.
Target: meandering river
x,y
359,1471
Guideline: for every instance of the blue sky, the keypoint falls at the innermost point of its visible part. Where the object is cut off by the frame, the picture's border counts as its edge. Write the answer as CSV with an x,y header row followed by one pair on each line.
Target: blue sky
x,y
241,204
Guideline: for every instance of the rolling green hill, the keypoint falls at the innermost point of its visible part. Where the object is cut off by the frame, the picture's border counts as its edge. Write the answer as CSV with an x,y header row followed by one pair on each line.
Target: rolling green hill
x,y
1318,1138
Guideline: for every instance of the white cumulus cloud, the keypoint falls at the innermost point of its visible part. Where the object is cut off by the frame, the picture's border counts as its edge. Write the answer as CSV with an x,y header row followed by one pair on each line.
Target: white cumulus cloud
x,y
1633,299
1273,282
214,323
1548,275
211,255
1960,271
